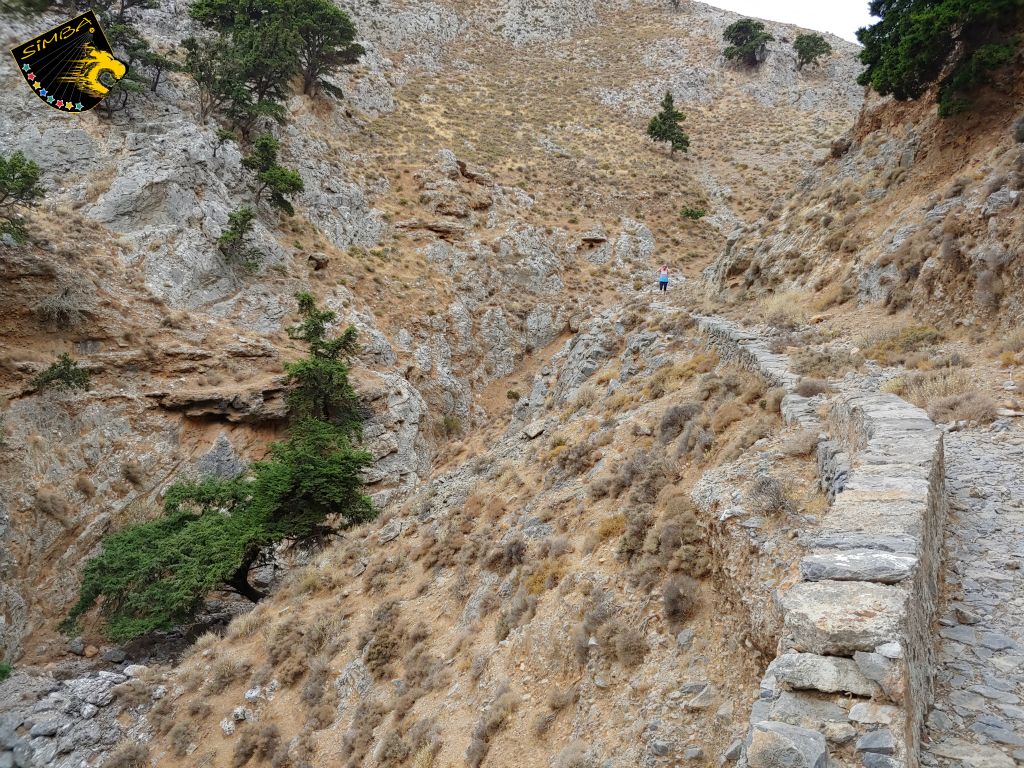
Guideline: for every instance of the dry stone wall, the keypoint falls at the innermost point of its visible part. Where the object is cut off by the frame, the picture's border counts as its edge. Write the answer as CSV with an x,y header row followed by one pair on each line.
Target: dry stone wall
x,y
852,681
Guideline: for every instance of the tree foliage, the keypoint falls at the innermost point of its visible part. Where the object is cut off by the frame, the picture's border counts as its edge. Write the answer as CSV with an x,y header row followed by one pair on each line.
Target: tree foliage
x,y
747,41
156,574
327,38
955,43
809,48
321,389
213,71
665,127
280,182
64,373
234,240
144,65
254,49
259,46
19,183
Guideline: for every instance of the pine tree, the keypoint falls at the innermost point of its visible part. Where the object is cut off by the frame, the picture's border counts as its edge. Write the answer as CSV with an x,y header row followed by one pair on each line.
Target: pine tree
x,y
664,126
233,242
327,37
258,54
809,48
748,40
156,574
271,177
321,390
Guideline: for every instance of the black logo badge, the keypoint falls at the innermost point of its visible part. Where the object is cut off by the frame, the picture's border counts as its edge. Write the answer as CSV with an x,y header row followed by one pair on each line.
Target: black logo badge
x,y
71,67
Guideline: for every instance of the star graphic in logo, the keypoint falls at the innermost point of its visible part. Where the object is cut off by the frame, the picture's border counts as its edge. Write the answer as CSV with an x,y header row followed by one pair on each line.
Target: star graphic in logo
x,y
60,102
37,85
78,106
26,67
50,99
42,91
31,75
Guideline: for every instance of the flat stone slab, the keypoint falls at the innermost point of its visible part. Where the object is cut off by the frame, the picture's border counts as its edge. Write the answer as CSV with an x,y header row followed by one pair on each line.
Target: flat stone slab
x,y
806,710
858,565
779,745
839,617
860,540
828,674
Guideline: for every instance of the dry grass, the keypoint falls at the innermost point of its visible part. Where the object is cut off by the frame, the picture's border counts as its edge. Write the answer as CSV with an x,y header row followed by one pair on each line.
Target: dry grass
x,y
625,642
968,406
728,413
784,310
611,527
811,387
248,624
767,496
893,348
256,741
493,720
679,599
128,754
948,394
546,576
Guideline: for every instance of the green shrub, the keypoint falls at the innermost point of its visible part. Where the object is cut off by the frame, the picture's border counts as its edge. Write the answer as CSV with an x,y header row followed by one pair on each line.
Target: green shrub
x,y
278,181
19,186
63,373
748,40
810,48
694,214
5,670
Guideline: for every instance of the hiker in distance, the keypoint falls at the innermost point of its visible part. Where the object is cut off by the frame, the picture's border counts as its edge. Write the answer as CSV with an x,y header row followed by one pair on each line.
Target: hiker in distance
x,y
663,278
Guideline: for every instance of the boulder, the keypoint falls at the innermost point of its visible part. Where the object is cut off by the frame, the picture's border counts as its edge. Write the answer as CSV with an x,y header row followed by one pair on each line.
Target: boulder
x,y
880,741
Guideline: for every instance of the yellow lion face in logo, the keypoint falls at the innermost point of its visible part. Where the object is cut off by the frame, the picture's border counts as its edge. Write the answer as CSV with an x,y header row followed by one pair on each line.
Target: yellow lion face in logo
x,y
85,73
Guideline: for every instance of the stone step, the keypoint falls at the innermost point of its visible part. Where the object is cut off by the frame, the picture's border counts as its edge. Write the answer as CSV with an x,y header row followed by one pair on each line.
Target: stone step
x,y
858,565
837,618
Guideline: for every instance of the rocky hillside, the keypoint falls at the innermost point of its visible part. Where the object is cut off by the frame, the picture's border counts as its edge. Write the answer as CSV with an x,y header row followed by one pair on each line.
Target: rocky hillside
x,y
911,210
615,528
423,205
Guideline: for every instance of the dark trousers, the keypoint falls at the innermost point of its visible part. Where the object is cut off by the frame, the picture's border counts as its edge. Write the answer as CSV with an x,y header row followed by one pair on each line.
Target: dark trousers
x,y
663,285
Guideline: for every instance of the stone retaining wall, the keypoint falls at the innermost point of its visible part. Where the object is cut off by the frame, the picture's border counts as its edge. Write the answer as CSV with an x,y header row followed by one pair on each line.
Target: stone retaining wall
x,y
851,684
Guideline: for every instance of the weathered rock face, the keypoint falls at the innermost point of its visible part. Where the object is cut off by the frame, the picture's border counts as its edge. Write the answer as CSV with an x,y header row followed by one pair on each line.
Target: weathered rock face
x,y
698,73
395,435
50,723
946,252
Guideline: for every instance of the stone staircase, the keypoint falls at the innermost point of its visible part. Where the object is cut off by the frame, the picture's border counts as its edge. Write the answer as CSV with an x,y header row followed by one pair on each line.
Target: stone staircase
x,y
852,681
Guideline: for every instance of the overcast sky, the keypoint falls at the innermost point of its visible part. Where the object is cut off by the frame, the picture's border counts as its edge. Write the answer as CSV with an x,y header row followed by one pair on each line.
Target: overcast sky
x,y
840,17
